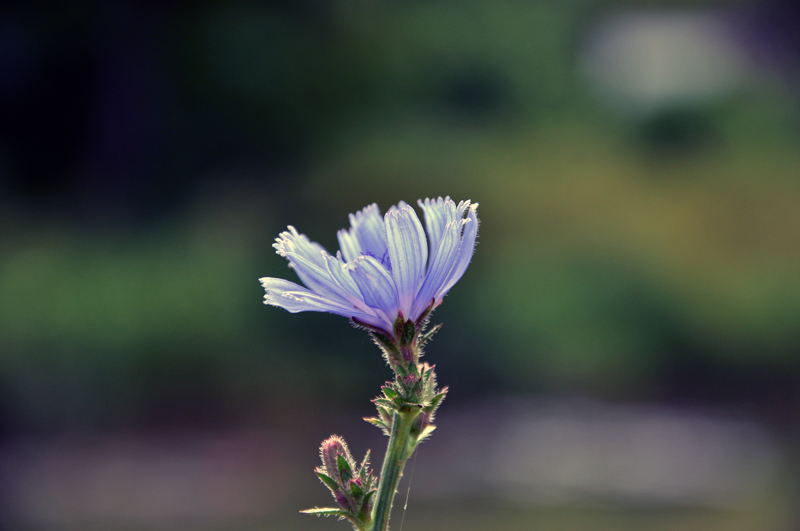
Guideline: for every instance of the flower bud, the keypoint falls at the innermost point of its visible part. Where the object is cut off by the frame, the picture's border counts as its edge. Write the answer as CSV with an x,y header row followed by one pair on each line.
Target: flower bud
x,y
331,451
353,487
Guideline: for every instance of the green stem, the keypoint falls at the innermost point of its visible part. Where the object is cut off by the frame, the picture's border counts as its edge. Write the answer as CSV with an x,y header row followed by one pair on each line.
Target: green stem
x,y
397,454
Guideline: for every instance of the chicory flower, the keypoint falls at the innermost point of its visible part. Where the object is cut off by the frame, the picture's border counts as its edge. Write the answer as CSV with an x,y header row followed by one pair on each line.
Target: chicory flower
x,y
386,267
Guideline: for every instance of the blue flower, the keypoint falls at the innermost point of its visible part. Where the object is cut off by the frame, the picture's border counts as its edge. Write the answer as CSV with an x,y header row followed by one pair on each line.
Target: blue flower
x,y
386,268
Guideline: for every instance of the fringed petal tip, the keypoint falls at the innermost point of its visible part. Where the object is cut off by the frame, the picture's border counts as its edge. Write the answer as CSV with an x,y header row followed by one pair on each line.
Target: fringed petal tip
x,y
438,202
268,284
284,242
359,216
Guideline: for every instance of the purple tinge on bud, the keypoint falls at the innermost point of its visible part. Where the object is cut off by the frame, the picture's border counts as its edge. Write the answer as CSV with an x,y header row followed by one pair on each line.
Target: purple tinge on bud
x,y
411,379
407,351
343,501
424,420
329,451
399,324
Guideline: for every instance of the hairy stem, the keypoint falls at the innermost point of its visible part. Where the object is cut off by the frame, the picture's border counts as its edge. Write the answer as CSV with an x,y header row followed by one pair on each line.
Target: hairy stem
x,y
399,450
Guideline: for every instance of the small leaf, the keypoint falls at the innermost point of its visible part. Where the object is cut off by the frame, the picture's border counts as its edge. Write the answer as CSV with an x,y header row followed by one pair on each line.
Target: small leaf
x,y
435,402
416,388
426,433
355,490
382,402
344,468
389,392
330,483
385,416
375,421
425,337
364,466
365,505
327,511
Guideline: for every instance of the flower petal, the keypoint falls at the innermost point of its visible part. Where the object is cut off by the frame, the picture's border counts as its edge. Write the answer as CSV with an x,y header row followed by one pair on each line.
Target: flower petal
x,y
367,234
399,206
336,268
408,252
465,250
307,258
293,242
376,285
348,244
348,288
318,278
442,261
295,298
438,213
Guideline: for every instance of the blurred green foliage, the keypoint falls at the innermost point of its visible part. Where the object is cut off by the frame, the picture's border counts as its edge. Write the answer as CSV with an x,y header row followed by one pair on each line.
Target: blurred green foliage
x,y
600,253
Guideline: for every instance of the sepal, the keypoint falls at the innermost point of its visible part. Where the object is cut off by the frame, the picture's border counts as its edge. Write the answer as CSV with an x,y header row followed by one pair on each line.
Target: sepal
x,y
366,506
355,489
402,345
383,402
386,417
389,392
345,471
331,484
391,353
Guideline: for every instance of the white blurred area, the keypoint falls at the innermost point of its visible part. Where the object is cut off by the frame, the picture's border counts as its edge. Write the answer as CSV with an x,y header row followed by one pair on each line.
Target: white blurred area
x,y
555,451
643,62
519,450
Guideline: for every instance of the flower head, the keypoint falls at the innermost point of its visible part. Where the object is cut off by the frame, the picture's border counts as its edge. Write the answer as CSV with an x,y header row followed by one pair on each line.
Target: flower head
x,y
386,267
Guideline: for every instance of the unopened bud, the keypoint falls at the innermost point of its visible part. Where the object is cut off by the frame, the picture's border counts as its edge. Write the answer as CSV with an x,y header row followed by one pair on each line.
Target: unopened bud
x,y
330,451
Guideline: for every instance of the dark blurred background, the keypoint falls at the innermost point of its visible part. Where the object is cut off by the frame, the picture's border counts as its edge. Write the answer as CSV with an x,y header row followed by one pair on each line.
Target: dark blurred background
x,y
623,352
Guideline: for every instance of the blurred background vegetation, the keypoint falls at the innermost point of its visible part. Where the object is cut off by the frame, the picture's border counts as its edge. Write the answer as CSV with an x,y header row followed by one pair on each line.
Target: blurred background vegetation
x,y
637,165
